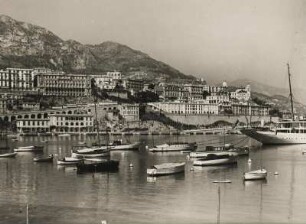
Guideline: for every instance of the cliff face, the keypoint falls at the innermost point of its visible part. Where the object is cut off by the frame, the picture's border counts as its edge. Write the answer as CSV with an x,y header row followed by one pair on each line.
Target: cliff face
x,y
26,45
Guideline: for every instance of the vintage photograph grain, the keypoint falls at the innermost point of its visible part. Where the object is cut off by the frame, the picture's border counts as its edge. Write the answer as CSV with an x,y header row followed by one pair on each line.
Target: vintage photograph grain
x,y
152,111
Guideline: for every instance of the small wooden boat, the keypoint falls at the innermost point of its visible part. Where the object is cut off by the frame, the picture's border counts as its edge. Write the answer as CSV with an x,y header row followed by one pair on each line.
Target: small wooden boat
x,y
8,155
91,155
68,162
222,181
166,169
31,148
119,145
204,154
97,166
260,174
174,147
44,159
215,160
90,152
72,159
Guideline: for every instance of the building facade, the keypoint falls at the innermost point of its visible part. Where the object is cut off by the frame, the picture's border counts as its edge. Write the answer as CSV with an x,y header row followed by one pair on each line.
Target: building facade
x,y
195,107
129,112
59,84
17,79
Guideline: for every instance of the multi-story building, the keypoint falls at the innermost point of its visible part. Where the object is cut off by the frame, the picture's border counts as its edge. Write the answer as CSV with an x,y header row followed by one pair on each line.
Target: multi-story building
x,y
59,84
130,112
187,92
60,120
33,123
194,107
114,75
134,85
218,99
249,109
241,94
17,79
108,81
9,101
71,121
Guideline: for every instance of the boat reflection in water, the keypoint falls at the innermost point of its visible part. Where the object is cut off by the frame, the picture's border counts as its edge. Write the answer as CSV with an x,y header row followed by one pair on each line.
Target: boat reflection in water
x,y
97,165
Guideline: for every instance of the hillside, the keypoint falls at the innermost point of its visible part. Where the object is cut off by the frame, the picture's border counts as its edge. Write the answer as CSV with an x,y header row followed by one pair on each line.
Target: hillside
x,y
26,45
271,91
281,102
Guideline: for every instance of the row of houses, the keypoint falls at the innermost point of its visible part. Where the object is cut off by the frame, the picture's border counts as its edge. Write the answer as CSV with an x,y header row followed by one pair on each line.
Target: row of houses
x,y
201,107
73,118
54,83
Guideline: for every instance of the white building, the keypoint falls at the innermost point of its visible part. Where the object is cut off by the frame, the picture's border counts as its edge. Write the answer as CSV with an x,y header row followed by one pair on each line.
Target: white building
x,y
242,94
17,79
130,112
195,107
108,81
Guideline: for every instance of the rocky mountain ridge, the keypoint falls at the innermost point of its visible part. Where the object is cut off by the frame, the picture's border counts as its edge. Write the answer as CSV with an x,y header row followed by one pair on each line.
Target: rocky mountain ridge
x,y
26,45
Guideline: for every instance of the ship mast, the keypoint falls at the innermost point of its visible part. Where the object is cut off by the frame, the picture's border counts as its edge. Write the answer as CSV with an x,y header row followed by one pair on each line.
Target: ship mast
x,y
291,96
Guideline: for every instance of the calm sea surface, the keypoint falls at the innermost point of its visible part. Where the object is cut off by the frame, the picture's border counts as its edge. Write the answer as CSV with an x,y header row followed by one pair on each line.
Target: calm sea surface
x,y
58,194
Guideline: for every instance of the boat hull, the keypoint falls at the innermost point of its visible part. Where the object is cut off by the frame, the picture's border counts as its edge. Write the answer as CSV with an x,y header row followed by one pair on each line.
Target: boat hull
x,y
134,146
160,170
215,162
8,155
63,162
255,175
105,166
43,160
204,154
90,155
29,149
275,138
174,148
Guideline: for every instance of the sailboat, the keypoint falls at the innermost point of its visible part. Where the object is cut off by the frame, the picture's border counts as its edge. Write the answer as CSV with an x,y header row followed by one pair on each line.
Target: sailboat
x,y
98,150
98,165
286,131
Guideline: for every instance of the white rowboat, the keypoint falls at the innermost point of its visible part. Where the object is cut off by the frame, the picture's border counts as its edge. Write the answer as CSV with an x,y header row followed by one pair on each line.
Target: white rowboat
x,y
166,169
215,160
255,175
31,148
8,155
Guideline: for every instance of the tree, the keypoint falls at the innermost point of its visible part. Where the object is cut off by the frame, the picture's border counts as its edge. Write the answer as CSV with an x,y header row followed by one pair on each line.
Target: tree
x,y
205,94
145,97
275,112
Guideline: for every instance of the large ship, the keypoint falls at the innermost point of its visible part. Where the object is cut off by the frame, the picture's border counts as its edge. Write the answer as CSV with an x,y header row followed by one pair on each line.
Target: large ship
x,y
288,131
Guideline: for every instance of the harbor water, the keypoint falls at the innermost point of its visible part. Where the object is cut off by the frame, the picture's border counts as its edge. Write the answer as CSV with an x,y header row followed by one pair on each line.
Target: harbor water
x,y
57,194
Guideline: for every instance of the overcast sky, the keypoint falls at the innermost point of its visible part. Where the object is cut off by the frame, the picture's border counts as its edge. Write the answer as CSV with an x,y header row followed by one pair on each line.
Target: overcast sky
x,y
214,39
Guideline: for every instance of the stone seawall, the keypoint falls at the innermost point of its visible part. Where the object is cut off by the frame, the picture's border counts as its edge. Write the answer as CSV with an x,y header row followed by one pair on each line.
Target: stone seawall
x,y
210,119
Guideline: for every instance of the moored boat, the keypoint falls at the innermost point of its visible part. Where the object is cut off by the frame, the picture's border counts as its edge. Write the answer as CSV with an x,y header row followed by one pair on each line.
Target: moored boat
x,y
68,162
286,131
174,147
260,174
119,145
97,166
215,160
31,148
8,155
166,169
204,154
44,159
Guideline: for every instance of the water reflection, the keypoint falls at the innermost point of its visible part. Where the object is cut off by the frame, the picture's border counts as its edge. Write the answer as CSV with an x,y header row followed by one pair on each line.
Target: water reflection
x,y
181,198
